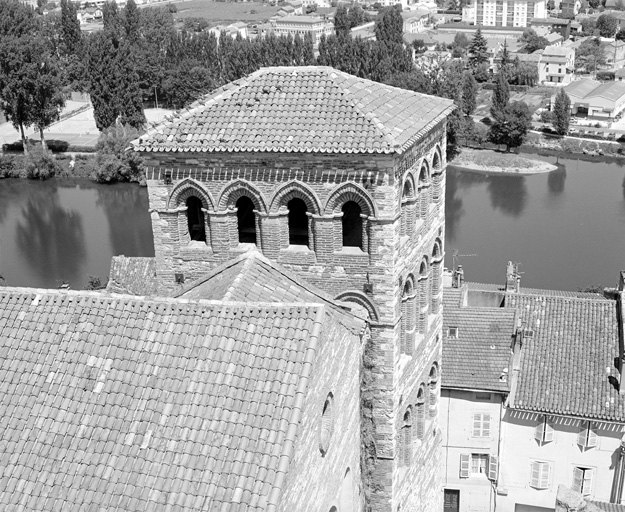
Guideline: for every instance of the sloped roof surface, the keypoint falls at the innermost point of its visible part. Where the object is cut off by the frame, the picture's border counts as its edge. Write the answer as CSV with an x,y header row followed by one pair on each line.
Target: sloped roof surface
x,y
134,276
300,109
563,366
119,403
477,357
607,507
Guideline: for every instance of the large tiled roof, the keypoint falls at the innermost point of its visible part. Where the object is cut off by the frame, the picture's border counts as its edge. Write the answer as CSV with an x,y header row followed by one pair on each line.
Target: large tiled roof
x,y
477,358
603,506
300,109
124,403
563,366
133,275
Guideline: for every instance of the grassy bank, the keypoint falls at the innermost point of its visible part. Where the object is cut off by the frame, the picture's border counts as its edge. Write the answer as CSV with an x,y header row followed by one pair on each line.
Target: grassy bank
x,y
494,162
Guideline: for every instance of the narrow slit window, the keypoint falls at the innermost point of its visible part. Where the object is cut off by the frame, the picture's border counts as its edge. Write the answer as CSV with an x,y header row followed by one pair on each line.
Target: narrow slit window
x,y
195,219
298,222
352,225
246,220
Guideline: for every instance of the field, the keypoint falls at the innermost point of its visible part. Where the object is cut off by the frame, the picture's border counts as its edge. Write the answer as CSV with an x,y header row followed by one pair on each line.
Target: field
x,y
224,12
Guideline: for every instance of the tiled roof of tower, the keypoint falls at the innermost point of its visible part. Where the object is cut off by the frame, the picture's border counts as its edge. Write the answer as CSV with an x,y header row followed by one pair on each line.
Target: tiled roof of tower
x,y
300,109
476,359
563,365
121,403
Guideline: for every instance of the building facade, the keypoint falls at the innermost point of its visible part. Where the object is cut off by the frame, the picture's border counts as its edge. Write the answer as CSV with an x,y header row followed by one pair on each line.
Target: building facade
x,y
345,190
556,65
503,13
301,25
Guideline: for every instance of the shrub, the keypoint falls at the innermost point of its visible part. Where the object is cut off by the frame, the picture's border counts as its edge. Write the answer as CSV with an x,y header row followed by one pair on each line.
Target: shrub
x,y
113,163
40,164
546,116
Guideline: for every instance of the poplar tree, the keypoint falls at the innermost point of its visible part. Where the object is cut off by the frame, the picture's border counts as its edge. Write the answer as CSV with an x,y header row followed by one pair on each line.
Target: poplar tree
x,y
501,95
562,113
389,28
341,21
469,94
70,28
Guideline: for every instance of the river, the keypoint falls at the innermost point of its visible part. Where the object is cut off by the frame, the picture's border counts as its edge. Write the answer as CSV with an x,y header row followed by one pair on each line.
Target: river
x,y
566,228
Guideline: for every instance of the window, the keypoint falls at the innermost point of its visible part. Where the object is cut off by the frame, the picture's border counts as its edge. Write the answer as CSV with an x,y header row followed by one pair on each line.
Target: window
x,y
406,438
479,464
246,220
327,424
540,474
582,480
298,222
587,436
420,420
481,425
485,397
352,225
195,219
452,332
544,431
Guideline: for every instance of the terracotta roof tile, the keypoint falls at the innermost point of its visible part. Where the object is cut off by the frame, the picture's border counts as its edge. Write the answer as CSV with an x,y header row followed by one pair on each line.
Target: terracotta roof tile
x,y
300,109
132,275
106,405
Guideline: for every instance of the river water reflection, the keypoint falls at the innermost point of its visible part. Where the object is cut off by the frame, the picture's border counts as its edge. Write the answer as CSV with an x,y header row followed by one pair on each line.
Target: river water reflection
x,y
65,230
565,228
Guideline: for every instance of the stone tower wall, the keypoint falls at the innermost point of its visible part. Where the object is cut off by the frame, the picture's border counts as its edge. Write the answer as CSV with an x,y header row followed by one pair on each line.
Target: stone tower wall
x,y
403,229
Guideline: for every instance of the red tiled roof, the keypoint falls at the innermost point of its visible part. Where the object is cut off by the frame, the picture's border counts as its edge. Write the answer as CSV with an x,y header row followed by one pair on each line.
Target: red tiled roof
x,y
300,109
564,365
476,359
124,403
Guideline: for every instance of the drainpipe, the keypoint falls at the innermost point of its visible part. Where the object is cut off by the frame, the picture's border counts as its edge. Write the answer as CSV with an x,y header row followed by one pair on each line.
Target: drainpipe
x,y
619,472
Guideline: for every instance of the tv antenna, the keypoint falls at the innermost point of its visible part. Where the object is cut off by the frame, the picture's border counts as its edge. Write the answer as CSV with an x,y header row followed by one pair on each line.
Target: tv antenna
x,y
455,257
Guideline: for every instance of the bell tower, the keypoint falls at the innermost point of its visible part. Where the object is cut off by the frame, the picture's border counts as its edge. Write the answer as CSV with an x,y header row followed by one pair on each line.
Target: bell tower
x,y
341,180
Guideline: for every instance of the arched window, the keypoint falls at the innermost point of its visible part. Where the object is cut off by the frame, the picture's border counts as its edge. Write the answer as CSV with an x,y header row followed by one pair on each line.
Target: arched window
x,y
423,295
433,390
424,197
406,438
352,225
407,208
407,318
195,219
298,222
436,277
327,424
246,220
420,420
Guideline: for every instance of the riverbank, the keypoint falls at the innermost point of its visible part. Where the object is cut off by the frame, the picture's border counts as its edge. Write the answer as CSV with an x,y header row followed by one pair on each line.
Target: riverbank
x,y
493,162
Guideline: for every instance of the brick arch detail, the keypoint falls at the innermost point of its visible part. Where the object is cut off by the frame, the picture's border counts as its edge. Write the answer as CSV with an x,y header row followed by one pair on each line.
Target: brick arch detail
x,y
239,188
424,261
350,192
362,300
409,282
409,179
434,372
437,250
424,166
295,189
187,188
437,160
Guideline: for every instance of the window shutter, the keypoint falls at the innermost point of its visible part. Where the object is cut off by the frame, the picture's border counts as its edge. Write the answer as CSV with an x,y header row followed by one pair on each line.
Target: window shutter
x,y
582,436
465,461
588,474
548,432
544,477
477,421
578,478
539,433
493,464
535,474
592,436
485,425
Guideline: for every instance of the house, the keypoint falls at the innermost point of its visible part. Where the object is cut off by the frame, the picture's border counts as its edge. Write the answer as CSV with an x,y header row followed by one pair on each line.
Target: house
x,y
570,8
213,377
560,25
298,6
614,53
233,30
300,25
500,13
556,65
544,412
595,99
416,21
287,10
365,31
554,39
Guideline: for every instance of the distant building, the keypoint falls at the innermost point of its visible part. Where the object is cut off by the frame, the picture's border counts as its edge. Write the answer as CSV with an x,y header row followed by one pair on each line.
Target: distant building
x,y
235,29
570,8
300,25
416,21
556,65
614,52
530,393
559,25
596,99
365,31
504,13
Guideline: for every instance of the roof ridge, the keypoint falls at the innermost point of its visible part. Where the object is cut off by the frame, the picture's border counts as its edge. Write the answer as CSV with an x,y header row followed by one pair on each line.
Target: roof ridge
x,y
247,263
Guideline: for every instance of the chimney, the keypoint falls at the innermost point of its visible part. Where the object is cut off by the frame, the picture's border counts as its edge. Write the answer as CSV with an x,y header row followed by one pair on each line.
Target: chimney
x,y
457,279
513,278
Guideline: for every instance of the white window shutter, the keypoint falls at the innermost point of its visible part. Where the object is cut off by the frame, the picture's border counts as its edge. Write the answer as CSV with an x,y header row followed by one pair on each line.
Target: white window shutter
x,y
535,474
486,425
582,436
493,464
544,476
592,436
539,433
465,462
578,478
588,474
548,432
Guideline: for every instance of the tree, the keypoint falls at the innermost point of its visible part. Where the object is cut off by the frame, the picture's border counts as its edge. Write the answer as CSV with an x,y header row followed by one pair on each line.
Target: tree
x,y
419,46
620,35
561,113
531,41
341,21
589,56
478,50
524,73
511,125
501,95
505,61
131,21
589,26
356,16
70,28
607,25
469,93
389,27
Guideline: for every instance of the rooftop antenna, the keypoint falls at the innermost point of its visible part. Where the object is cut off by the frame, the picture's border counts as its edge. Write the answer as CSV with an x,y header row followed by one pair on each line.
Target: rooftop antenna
x,y
455,257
